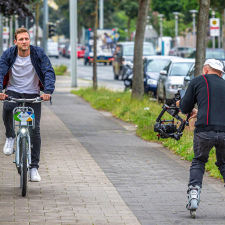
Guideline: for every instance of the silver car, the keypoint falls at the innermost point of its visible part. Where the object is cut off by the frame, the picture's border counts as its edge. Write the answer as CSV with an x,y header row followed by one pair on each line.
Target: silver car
x,y
171,79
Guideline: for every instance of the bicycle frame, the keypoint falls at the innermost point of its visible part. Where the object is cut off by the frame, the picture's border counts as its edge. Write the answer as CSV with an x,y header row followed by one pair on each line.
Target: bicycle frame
x,y
24,115
23,131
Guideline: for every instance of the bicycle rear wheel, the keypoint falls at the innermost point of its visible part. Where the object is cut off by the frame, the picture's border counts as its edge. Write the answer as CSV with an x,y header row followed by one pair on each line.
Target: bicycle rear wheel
x,y
23,163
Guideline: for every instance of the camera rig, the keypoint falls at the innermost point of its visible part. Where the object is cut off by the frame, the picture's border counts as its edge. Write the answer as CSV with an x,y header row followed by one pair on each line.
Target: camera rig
x,y
167,128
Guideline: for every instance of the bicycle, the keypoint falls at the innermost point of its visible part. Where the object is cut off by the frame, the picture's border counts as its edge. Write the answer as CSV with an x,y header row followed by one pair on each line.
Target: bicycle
x,y
25,117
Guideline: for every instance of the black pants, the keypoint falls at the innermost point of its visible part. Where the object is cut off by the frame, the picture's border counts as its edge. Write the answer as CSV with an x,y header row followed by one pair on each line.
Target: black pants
x,y
203,143
34,133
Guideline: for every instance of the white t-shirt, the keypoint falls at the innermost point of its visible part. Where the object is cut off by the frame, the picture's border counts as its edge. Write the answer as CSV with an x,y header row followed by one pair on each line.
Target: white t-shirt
x,y
22,77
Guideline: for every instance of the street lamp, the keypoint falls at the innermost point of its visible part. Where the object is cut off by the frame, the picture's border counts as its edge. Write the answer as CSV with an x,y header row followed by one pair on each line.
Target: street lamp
x,y
176,27
193,11
161,31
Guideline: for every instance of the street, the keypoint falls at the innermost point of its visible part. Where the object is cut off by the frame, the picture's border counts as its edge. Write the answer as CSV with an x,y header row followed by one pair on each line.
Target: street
x,y
104,72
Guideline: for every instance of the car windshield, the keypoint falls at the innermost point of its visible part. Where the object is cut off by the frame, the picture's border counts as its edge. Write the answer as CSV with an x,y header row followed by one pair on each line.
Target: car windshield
x,y
128,50
215,54
156,65
180,68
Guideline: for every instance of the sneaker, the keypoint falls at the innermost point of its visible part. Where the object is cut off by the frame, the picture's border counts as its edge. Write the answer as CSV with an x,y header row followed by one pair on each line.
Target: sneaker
x,y
34,175
8,147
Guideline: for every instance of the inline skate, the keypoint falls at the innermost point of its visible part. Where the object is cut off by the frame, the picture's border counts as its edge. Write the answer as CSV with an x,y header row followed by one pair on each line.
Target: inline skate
x,y
193,199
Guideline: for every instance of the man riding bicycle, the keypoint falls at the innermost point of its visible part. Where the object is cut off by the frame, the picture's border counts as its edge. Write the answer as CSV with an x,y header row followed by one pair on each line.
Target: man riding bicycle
x,y
25,70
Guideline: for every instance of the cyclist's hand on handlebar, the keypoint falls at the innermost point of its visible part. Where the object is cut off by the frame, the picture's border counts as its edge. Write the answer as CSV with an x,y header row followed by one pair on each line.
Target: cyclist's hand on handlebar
x,y
46,97
3,96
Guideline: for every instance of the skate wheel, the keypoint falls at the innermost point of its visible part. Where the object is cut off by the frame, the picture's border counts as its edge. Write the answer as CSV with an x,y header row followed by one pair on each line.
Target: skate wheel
x,y
193,213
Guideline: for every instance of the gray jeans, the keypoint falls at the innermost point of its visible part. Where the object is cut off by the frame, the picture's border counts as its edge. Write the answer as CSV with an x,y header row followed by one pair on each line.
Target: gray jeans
x,y
203,143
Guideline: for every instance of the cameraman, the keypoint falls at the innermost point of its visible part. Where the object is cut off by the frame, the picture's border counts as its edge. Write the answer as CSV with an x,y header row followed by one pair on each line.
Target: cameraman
x,y
208,92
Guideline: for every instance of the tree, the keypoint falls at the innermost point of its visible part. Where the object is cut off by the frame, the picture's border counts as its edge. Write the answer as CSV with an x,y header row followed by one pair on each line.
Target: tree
x,y
18,7
138,86
203,19
131,10
95,85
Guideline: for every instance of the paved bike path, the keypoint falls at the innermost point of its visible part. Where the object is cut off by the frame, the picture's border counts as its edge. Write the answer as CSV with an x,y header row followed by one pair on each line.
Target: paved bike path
x,y
149,178
95,170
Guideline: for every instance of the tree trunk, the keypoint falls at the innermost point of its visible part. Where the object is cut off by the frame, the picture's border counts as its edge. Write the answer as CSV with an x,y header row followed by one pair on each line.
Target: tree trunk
x,y
37,24
138,84
128,29
95,85
203,21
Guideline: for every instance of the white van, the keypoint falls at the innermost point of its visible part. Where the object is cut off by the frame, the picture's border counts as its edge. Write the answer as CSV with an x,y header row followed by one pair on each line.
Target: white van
x,y
53,49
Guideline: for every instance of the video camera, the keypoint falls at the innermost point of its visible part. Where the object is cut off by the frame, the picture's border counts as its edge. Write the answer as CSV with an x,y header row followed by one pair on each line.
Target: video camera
x,y
167,128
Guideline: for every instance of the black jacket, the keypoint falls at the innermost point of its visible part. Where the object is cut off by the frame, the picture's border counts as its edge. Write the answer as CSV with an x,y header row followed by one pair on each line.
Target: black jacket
x,y
40,62
208,91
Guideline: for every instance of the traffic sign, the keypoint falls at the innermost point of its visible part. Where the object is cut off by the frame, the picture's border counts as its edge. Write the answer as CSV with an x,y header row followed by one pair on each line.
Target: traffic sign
x,y
214,24
5,32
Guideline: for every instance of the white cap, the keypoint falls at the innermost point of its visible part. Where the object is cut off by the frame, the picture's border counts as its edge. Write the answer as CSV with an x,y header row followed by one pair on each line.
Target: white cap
x,y
215,64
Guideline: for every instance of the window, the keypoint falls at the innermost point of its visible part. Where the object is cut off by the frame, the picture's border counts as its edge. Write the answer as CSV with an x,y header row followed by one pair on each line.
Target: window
x,y
156,65
180,69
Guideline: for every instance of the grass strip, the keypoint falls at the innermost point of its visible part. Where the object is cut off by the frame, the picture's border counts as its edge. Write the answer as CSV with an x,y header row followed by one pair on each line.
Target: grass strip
x,y
143,114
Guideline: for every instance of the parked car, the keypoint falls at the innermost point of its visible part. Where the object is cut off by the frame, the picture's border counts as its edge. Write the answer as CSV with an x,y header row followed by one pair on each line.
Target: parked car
x,y
152,65
190,76
53,49
61,47
80,51
124,52
217,53
181,51
171,79
65,49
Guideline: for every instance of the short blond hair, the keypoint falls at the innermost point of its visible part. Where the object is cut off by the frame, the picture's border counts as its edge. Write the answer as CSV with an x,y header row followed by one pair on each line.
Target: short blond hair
x,y
19,31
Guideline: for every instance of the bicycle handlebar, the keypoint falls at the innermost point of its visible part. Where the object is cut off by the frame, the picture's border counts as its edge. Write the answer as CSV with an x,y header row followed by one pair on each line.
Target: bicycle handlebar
x,y
33,100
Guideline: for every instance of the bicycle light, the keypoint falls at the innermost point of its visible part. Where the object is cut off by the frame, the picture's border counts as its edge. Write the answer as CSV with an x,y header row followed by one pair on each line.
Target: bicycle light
x,y
23,130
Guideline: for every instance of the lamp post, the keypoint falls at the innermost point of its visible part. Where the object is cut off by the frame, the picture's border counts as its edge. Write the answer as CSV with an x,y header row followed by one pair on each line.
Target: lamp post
x,y
193,11
161,32
213,16
176,27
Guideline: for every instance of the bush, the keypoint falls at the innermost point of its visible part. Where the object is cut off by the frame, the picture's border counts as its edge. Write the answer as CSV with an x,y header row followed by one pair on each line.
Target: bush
x,y
60,70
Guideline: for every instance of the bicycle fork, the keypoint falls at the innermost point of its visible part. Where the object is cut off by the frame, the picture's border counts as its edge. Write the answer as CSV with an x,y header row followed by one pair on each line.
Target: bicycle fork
x,y
17,155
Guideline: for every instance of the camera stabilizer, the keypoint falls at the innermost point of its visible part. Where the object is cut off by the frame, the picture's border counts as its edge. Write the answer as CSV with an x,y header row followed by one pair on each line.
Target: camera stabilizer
x,y
167,128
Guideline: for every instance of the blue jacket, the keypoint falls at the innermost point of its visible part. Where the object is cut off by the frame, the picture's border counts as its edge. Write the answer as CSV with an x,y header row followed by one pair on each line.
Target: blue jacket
x,y
40,62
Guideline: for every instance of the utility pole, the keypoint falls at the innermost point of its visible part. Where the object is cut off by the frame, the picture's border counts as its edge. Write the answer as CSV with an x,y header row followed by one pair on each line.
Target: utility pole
x,y
161,32
45,21
194,33
10,31
101,14
16,22
213,41
73,42
176,27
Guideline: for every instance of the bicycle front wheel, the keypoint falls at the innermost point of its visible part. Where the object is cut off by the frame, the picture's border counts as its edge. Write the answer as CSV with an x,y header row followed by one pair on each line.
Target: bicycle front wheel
x,y
23,163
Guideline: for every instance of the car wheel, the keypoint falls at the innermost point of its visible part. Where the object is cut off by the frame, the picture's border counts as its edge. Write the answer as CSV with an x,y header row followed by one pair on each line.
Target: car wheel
x,y
110,63
105,63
